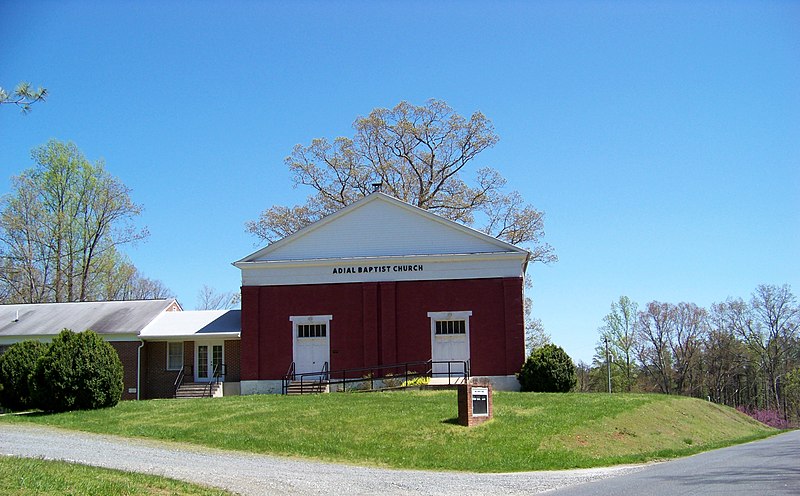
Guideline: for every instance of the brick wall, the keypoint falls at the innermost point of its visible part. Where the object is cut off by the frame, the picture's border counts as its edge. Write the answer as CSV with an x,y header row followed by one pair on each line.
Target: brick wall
x,y
233,360
157,381
127,351
384,323
188,360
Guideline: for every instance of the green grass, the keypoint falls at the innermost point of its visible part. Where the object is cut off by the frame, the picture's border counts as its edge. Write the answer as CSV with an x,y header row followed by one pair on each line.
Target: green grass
x,y
418,429
25,476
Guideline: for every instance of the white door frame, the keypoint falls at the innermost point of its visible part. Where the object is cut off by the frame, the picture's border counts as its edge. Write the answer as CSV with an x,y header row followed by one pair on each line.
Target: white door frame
x,y
209,367
323,342
435,340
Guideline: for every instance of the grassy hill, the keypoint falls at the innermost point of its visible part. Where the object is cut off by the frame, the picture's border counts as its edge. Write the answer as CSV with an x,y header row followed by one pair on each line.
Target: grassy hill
x,y
419,430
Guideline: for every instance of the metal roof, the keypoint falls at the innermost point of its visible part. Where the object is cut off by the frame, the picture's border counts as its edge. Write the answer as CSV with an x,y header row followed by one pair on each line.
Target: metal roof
x,y
102,317
195,324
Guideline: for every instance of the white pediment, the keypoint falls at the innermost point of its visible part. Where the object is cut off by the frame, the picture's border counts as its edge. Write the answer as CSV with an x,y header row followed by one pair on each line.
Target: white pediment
x,y
381,226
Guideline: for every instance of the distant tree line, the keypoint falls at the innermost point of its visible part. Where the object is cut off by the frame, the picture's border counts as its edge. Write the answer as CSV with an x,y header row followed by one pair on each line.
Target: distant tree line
x,y
745,354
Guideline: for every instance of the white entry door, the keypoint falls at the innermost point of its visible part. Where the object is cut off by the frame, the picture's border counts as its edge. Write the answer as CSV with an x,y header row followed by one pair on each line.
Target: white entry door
x,y
311,343
449,342
208,356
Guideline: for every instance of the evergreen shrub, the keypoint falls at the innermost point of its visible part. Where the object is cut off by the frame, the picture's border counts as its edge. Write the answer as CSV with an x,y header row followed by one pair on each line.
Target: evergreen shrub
x,y
79,371
548,369
17,366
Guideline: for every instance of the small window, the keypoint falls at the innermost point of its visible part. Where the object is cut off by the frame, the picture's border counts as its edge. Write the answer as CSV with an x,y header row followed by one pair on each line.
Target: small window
x,y
312,330
174,356
448,327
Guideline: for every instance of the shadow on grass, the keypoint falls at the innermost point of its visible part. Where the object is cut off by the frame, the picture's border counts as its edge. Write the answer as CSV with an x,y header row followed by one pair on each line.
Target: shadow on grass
x,y
29,413
453,421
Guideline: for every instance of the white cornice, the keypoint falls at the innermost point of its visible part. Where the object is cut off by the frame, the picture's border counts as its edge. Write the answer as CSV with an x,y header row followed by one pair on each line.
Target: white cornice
x,y
448,258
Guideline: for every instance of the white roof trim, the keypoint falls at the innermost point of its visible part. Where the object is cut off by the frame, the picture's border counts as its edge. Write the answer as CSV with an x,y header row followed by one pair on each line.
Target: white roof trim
x,y
458,257
378,196
195,337
194,324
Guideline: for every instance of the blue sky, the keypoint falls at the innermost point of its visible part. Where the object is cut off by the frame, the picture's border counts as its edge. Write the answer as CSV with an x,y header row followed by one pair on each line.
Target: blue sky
x,y
661,139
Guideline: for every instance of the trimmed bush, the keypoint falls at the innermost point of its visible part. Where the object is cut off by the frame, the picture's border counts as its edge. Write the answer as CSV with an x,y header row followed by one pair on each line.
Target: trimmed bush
x,y
78,372
547,370
17,366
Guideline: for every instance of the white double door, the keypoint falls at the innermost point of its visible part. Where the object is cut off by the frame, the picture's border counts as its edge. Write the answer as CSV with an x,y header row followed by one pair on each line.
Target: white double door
x,y
311,354
451,349
207,357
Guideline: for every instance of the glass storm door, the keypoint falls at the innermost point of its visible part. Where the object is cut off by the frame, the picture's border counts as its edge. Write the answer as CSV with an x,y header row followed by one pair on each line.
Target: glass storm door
x,y
209,356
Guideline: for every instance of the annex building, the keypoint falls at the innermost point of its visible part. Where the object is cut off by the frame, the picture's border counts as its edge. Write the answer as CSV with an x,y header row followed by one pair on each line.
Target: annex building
x,y
155,339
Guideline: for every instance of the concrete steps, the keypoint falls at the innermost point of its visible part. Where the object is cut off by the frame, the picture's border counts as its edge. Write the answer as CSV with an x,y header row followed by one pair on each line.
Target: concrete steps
x,y
307,387
198,390
446,381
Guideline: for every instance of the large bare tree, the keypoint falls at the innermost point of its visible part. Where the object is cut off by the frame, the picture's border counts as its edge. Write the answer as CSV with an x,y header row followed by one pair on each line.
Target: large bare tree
x,y
656,326
691,328
209,298
419,154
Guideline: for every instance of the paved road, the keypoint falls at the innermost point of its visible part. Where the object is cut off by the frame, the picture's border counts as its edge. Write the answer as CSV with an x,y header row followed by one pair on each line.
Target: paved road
x,y
767,467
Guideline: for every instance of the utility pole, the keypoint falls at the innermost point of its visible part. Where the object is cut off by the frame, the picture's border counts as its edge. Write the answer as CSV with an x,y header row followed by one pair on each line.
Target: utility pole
x,y
608,364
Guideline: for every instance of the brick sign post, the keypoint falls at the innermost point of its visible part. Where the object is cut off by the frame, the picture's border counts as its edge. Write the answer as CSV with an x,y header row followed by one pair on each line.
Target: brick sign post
x,y
474,404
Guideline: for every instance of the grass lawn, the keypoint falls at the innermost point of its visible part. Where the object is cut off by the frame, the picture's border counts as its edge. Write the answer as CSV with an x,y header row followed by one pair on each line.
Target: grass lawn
x,y
25,476
418,429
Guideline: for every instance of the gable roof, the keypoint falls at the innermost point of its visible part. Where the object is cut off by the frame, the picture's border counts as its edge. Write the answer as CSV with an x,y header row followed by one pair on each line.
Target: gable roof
x,y
102,317
194,324
380,225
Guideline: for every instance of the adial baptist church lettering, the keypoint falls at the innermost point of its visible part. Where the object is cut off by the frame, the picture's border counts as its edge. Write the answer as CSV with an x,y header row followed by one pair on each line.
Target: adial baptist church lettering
x,y
374,269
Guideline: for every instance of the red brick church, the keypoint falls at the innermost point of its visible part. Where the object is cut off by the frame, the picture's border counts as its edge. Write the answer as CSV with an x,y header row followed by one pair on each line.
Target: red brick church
x,y
381,282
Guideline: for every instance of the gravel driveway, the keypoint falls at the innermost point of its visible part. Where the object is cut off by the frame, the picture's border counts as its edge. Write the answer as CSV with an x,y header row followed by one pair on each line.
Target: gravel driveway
x,y
251,474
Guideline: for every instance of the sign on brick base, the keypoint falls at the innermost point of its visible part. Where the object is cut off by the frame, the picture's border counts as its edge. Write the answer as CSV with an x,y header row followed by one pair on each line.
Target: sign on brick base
x,y
474,404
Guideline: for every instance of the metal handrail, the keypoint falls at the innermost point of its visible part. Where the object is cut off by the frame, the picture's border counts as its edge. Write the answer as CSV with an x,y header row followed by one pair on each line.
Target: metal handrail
x,y
319,379
181,376
378,372
289,377
325,372
219,371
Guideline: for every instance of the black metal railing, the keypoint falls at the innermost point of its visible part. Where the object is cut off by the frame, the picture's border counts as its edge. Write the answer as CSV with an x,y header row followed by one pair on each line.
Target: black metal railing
x,y
216,375
287,379
186,369
378,377
308,382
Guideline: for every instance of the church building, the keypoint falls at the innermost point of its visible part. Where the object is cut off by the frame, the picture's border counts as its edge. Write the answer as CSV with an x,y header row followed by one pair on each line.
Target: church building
x,y
379,283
